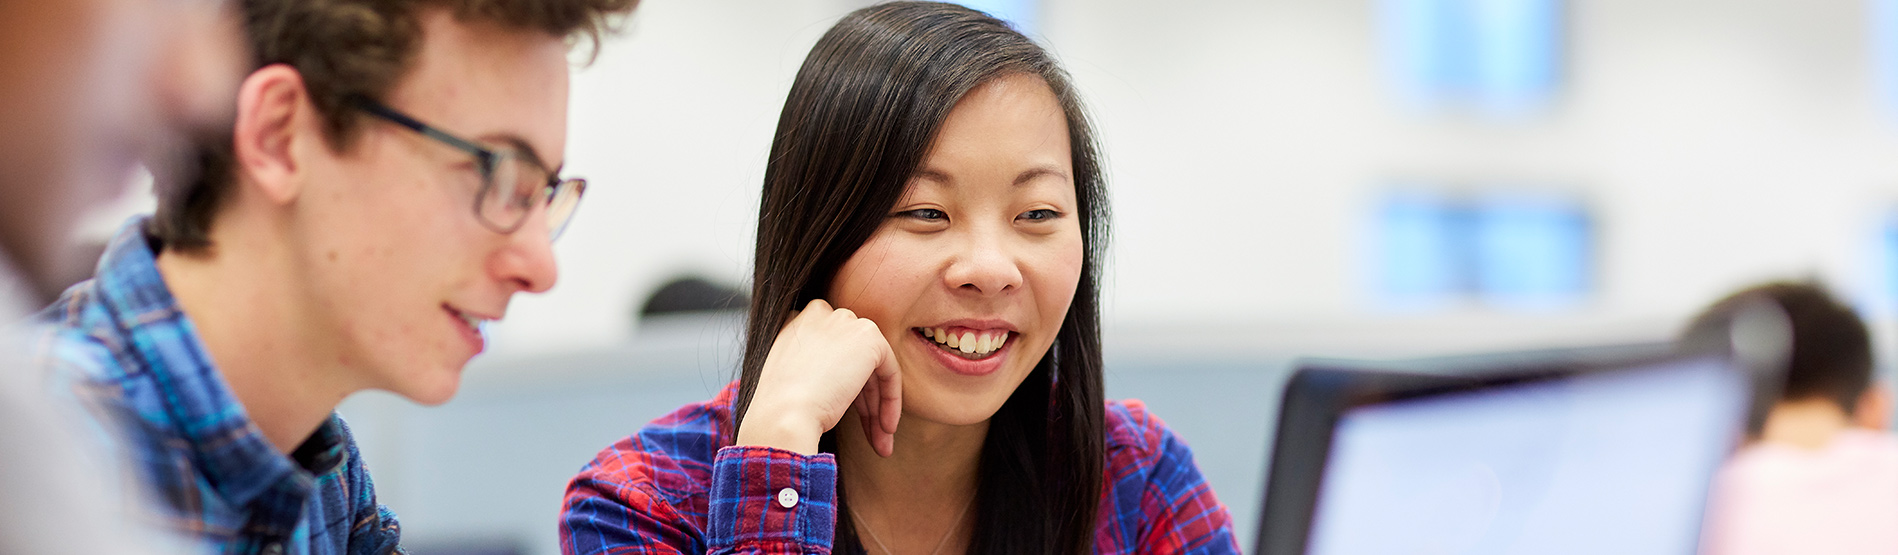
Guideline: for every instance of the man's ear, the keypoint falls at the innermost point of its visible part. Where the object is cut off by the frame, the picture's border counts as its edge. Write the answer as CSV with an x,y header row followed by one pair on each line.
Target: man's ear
x,y
1874,407
271,105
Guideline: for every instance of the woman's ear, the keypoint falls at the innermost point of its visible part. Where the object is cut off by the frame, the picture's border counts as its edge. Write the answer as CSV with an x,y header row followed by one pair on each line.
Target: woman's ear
x,y
1874,408
271,104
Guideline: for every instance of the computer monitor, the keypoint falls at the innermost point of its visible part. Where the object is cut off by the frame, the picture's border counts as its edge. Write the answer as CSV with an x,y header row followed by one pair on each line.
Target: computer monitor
x,y
1588,451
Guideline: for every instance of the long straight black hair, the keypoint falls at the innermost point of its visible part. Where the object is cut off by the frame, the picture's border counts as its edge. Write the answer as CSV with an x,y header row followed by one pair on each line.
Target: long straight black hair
x,y
861,116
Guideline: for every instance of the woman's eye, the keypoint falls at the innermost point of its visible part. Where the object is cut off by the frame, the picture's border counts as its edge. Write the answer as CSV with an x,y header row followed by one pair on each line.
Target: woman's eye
x,y
1039,215
926,214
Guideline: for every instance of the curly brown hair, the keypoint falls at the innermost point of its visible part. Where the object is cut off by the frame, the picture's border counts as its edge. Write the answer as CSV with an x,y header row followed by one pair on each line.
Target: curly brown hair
x,y
344,48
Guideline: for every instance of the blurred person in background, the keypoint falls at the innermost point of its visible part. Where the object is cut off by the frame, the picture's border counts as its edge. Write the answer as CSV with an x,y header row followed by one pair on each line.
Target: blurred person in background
x,y
1821,474
88,90
928,252
389,182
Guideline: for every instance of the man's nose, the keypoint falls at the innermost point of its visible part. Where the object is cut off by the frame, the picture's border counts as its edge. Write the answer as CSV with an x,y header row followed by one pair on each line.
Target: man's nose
x,y
526,261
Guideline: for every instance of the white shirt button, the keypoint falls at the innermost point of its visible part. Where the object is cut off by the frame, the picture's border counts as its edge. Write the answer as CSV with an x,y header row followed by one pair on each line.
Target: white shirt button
x,y
787,498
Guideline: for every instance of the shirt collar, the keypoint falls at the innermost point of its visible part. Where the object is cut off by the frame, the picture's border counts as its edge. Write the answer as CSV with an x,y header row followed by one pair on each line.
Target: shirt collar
x,y
235,458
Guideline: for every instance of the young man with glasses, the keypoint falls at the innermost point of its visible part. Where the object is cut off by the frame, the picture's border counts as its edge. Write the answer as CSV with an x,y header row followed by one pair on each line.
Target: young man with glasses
x,y
390,181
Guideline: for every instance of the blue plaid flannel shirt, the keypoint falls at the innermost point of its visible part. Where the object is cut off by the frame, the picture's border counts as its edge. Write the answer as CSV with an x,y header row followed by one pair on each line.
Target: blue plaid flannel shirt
x,y
123,349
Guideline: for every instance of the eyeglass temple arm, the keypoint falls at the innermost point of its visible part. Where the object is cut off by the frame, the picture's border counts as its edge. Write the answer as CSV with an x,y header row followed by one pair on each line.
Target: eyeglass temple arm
x,y
385,112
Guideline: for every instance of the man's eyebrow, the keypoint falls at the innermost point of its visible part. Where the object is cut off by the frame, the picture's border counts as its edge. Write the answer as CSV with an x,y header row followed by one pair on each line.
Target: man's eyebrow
x,y
520,144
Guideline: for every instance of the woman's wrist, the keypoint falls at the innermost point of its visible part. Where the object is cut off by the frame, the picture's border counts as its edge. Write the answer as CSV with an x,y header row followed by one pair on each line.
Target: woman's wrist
x,y
766,427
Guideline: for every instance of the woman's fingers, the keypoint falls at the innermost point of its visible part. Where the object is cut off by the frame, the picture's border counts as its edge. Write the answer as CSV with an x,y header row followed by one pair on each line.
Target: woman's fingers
x,y
867,416
864,420
879,398
863,411
888,378
827,361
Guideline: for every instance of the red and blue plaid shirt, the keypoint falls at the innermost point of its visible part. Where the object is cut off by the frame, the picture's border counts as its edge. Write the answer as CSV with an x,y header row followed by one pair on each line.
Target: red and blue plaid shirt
x,y
123,348
677,487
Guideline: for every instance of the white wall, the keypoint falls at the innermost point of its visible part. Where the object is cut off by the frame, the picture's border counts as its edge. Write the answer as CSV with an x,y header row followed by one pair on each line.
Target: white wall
x,y
671,125
1720,142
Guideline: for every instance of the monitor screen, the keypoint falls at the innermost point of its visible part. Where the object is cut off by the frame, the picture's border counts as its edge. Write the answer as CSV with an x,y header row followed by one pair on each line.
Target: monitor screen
x,y
1608,462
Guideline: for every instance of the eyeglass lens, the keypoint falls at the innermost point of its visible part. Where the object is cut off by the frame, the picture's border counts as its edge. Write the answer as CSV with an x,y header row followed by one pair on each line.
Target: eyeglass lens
x,y
515,185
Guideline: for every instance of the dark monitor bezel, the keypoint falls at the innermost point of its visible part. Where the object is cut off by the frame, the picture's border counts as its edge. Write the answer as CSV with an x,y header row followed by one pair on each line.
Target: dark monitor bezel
x,y
1320,391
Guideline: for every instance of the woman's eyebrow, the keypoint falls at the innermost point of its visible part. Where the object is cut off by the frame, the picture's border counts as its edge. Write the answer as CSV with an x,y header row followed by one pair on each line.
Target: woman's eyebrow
x,y
1032,173
1025,176
935,175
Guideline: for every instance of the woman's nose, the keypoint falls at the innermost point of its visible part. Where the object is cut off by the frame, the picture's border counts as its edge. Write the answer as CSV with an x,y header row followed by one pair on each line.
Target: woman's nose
x,y
985,265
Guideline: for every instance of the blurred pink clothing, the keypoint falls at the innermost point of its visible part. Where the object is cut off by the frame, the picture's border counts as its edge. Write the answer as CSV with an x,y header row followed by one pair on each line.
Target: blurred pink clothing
x,y
1775,499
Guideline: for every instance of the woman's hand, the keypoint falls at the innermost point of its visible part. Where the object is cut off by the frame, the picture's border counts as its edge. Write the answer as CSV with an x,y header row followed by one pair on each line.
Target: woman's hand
x,y
825,362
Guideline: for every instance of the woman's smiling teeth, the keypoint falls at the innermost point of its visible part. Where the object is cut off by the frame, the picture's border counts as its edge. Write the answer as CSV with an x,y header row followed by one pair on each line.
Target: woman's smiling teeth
x,y
969,344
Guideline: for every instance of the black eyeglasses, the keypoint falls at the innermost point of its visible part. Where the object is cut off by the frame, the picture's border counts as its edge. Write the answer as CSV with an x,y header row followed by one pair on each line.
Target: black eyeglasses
x,y
513,181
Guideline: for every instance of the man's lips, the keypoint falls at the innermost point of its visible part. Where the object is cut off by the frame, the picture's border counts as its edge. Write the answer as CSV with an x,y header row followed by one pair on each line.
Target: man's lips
x,y
471,325
474,320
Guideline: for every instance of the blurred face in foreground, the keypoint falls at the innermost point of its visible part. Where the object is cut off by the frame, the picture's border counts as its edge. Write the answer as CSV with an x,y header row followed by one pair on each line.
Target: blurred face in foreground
x,y
90,89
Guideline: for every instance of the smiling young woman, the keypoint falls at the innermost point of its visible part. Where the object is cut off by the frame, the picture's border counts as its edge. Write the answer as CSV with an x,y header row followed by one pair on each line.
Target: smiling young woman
x,y
922,371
